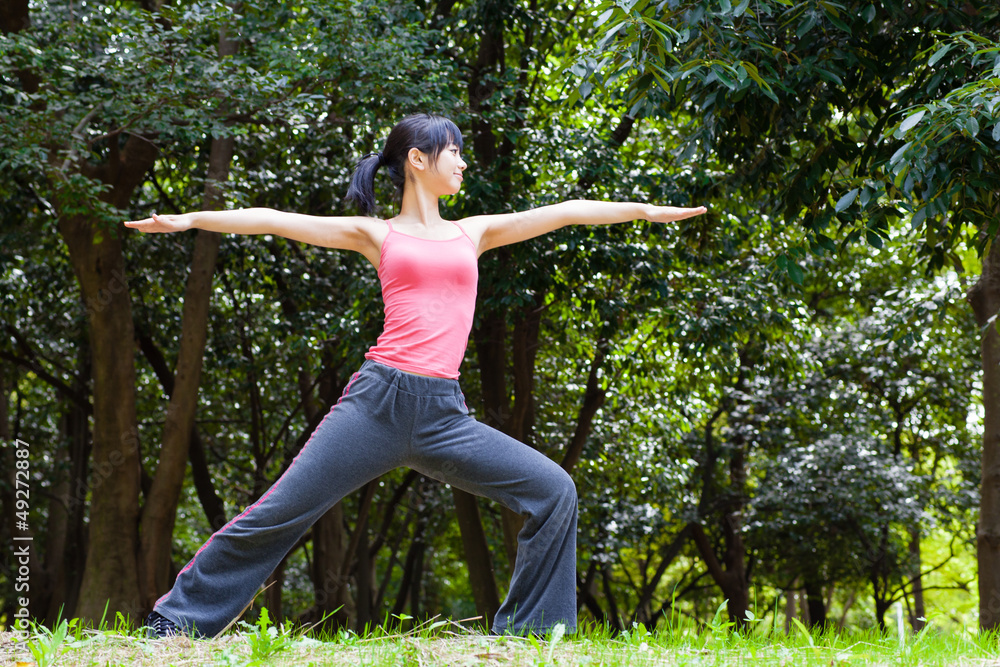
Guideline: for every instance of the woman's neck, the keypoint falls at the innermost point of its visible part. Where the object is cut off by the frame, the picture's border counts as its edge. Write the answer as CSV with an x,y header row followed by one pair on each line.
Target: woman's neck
x,y
419,206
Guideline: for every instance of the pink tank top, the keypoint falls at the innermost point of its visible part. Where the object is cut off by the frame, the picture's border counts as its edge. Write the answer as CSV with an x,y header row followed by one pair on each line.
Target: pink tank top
x,y
429,290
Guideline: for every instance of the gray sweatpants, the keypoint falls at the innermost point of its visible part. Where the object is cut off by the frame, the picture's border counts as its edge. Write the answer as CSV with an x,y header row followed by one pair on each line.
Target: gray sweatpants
x,y
385,419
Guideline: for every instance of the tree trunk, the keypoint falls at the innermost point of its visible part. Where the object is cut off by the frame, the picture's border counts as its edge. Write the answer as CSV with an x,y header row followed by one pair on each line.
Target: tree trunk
x,y
57,531
110,579
493,157
985,300
363,573
587,592
842,622
739,589
668,555
919,617
477,555
332,595
56,524
491,354
417,579
524,348
413,566
816,604
881,605
789,607
732,578
730,574
69,573
593,399
63,565
613,613
272,593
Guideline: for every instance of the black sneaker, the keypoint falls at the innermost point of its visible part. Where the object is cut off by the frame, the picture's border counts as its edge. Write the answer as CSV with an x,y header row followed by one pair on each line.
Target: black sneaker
x,y
160,627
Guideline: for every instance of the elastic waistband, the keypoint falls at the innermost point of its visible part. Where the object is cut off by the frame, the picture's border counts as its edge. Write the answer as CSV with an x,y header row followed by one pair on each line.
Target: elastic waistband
x,y
411,383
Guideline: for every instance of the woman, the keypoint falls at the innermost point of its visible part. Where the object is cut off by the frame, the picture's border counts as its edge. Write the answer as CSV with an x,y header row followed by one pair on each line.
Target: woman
x,y
404,406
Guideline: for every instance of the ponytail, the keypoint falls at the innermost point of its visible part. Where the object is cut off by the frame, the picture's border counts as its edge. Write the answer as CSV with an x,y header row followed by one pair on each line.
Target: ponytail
x,y
428,133
362,189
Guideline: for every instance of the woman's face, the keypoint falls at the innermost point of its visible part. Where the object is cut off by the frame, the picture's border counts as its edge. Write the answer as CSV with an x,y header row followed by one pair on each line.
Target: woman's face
x,y
449,167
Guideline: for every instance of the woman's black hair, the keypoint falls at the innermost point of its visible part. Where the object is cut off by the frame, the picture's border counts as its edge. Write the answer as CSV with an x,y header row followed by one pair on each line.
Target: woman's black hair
x,y
428,133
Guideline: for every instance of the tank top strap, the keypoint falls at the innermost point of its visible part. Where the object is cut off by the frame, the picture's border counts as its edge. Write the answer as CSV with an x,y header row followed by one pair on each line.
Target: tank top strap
x,y
462,229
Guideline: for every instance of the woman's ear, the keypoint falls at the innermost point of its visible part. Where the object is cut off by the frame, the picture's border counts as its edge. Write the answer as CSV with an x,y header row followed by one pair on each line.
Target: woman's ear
x,y
416,159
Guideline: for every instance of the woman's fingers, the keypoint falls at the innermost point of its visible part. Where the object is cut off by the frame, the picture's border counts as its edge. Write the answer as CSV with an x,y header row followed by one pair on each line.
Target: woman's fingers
x,y
671,213
156,223
689,212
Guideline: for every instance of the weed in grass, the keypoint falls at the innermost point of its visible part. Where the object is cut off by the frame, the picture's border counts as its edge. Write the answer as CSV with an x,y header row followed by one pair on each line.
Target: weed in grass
x,y
537,645
634,640
544,658
47,645
266,640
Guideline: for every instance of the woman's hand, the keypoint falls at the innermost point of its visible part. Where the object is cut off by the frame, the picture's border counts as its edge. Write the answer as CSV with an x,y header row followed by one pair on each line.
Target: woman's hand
x,y
506,228
163,223
671,213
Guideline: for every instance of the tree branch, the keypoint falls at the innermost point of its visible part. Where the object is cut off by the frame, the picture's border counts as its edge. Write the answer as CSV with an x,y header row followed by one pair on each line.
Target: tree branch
x,y
56,383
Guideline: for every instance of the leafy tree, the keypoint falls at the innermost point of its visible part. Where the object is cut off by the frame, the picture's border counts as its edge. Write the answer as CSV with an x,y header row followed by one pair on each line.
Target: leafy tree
x,y
805,101
900,407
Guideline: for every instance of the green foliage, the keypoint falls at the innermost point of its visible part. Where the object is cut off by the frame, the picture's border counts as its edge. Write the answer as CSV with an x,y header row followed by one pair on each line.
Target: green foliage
x,y
809,102
47,646
826,504
948,164
264,638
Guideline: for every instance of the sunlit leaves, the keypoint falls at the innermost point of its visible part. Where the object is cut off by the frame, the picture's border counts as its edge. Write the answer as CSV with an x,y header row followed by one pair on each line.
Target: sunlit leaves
x,y
948,162
846,200
910,122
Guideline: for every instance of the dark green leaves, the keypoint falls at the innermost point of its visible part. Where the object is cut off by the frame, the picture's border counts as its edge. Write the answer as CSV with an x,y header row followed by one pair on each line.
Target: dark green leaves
x,y
939,54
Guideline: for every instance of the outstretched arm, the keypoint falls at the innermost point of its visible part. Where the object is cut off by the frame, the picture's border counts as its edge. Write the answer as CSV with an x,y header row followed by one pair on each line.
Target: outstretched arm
x,y
348,233
507,228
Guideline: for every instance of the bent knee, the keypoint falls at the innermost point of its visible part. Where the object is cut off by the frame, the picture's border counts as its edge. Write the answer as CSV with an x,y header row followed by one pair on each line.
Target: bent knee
x,y
563,487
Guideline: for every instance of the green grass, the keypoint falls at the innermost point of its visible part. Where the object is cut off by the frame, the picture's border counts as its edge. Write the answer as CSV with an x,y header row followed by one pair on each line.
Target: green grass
x,y
442,642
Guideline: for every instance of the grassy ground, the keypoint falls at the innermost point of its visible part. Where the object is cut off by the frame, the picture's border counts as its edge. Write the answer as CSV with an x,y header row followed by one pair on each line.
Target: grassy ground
x,y
446,643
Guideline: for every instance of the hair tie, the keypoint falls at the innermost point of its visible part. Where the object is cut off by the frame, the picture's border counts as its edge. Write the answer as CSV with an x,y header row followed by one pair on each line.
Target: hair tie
x,y
381,159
